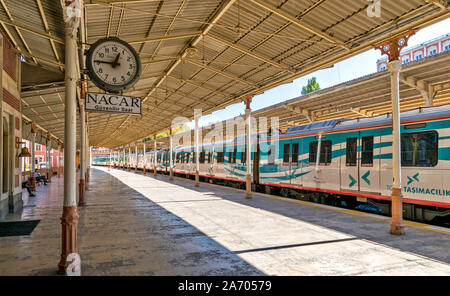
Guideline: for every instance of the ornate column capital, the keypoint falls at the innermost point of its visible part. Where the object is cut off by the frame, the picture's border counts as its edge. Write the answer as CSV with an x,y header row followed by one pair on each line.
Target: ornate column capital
x,y
247,100
393,46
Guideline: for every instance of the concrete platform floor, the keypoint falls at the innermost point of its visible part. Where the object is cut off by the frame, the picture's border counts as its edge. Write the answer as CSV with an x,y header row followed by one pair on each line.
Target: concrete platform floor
x,y
142,225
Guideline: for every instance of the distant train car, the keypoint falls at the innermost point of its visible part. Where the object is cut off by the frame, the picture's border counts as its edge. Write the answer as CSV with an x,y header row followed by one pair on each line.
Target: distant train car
x,y
337,162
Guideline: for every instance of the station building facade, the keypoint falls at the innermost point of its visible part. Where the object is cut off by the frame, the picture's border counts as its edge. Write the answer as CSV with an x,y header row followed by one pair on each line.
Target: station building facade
x,y
10,129
414,53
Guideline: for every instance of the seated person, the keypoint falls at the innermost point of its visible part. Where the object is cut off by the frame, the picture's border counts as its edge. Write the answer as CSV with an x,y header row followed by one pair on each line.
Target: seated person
x,y
29,188
39,177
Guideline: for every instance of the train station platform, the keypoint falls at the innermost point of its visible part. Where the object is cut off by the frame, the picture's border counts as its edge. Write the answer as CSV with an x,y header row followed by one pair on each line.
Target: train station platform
x,y
145,225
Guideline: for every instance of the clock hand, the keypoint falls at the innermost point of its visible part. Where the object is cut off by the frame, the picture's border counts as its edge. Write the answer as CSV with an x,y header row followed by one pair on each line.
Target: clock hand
x,y
105,62
115,61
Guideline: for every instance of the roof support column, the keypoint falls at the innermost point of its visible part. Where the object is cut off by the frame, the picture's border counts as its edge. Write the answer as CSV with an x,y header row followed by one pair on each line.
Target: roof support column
x,y
171,156
82,185
58,160
129,157
88,152
49,165
156,156
198,114
248,176
69,219
144,160
33,146
136,151
397,226
392,48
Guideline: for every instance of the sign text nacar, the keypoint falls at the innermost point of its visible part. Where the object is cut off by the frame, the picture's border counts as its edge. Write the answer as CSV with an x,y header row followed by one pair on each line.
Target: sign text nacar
x,y
98,102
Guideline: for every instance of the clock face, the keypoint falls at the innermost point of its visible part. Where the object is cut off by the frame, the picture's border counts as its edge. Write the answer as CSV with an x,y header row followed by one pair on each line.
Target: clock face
x,y
113,65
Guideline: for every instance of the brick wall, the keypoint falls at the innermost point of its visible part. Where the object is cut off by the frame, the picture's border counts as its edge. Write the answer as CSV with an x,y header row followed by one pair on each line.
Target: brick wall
x,y
11,100
9,59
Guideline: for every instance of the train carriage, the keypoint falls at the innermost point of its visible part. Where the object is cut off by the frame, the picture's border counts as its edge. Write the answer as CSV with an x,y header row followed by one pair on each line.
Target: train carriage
x,y
342,160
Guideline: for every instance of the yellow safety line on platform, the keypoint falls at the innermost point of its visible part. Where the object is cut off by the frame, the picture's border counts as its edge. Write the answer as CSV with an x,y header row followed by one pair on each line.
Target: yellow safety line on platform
x,y
332,208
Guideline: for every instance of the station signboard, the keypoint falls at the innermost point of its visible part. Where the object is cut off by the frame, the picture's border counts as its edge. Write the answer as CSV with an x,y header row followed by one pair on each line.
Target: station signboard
x,y
110,103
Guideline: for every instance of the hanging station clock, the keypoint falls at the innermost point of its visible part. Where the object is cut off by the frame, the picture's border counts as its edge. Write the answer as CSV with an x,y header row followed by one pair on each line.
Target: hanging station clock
x,y
113,65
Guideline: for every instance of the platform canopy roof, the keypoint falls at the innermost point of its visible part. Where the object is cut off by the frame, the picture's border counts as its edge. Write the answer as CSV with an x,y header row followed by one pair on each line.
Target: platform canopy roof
x,y
425,82
198,54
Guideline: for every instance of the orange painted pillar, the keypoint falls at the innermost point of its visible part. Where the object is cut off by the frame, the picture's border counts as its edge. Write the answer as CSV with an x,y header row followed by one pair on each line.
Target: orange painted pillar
x,y
156,157
69,219
171,156
392,48
248,177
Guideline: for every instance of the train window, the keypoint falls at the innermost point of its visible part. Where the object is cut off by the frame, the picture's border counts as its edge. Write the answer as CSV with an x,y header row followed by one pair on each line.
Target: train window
x,y
312,152
325,152
286,153
210,157
419,149
182,157
202,157
244,156
367,151
294,153
220,156
271,156
188,157
351,149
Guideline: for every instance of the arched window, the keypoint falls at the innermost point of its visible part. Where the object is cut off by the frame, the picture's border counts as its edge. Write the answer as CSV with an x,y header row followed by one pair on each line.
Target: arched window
x,y
446,45
418,55
432,50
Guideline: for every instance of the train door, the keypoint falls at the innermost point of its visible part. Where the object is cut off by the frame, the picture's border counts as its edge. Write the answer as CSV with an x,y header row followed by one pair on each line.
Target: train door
x,y
286,165
360,170
231,164
369,166
350,162
295,163
211,165
256,158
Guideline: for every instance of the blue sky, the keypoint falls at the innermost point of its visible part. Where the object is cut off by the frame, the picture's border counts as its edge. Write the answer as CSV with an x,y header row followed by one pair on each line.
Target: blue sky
x,y
357,66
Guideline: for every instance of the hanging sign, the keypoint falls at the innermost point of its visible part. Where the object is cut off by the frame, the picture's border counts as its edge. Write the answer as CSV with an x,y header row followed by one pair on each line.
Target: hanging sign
x,y
98,102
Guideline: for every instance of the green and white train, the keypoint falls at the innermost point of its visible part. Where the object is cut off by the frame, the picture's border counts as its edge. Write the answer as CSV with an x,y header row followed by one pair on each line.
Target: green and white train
x,y
354,167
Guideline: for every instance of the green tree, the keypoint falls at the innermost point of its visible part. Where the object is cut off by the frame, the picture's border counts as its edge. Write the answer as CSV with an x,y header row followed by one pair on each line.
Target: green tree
x,y
312,86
